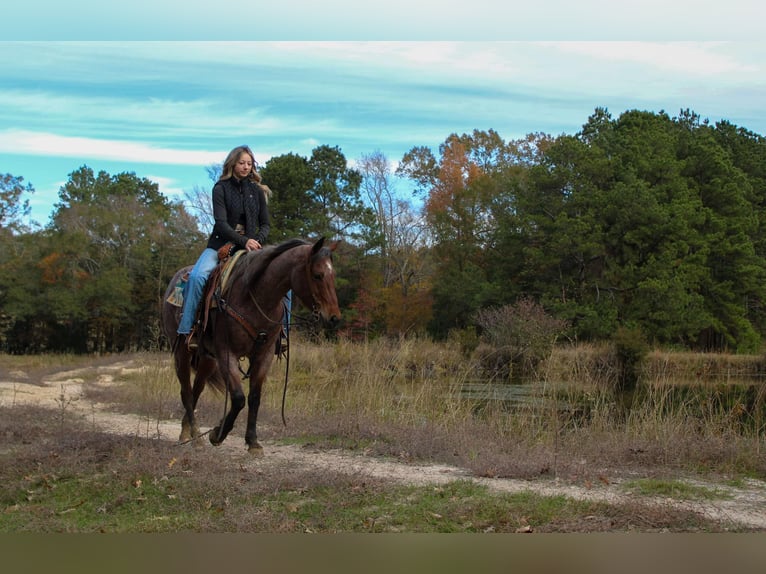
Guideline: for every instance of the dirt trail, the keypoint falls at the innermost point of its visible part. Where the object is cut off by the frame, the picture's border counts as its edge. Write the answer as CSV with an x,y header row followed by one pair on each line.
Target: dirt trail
x,y
744,505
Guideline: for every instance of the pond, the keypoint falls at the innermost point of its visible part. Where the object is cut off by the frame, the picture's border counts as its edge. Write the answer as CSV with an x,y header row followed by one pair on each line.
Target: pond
x,y
741,403
530,395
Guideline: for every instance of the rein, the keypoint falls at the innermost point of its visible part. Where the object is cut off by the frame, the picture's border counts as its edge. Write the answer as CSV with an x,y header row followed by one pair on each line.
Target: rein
x,y
257,339
313,319
258,336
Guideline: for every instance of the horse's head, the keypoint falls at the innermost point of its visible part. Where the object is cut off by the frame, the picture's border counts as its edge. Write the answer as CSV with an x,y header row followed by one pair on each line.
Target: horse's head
x,y
319,289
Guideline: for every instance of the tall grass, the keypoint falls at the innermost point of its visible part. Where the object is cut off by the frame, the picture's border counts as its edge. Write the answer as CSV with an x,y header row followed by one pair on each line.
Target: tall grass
x,y
414,386
404,382
404,398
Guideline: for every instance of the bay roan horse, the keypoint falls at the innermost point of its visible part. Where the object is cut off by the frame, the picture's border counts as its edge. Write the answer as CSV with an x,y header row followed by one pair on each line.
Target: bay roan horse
x,y
246,323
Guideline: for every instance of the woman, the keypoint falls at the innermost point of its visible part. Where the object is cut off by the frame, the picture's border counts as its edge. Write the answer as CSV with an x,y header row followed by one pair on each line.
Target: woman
x,y
241,217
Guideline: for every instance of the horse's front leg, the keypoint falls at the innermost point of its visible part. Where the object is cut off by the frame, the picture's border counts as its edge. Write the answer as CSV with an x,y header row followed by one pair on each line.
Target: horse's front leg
x,y
257,378
230,373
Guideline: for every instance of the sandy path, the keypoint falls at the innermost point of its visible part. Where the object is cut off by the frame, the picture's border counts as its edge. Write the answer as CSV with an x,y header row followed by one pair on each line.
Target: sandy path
x,y
745,505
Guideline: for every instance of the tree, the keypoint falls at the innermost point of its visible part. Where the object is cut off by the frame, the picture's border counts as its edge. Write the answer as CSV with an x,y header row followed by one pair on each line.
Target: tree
x,y
336,190
293,213
318,196
114,243
199,202
747,152
404,291
13,204
464,189
419,165
644,221
18,277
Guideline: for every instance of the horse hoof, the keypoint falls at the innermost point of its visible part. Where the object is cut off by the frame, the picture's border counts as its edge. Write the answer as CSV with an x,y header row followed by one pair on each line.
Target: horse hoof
x,y
214,436
255,450
189,434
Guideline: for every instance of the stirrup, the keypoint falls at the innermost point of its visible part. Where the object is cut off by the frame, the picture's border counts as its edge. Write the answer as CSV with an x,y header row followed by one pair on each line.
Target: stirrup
x,y
192,341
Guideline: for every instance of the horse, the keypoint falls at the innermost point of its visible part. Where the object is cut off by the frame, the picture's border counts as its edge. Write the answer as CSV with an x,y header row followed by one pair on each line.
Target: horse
x,y
246,322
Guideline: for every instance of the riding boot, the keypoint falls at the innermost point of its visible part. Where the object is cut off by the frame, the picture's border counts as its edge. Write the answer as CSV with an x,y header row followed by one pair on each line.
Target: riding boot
x,y
280,349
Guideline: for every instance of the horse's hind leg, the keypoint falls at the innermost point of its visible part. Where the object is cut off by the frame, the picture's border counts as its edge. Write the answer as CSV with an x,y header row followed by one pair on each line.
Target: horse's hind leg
x,y
190,394
205,369
183,372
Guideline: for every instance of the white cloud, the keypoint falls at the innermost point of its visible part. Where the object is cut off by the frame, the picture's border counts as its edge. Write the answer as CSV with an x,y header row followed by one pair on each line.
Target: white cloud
x,y
691,58
20,142
172,116
395,19
421,60
168,185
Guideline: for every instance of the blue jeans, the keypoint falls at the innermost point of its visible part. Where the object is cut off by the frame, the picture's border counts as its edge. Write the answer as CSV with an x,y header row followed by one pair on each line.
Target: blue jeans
x,y
288,303
194,287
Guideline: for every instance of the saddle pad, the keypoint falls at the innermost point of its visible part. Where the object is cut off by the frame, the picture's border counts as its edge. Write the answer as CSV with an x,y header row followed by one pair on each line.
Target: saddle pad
x,y
228,266
176,296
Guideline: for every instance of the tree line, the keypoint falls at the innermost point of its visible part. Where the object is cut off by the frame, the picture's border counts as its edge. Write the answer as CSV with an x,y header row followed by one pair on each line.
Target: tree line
x,y
644,221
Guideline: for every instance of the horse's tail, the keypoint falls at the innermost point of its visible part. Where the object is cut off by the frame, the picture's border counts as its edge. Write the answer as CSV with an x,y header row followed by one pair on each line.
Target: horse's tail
x,y
216,381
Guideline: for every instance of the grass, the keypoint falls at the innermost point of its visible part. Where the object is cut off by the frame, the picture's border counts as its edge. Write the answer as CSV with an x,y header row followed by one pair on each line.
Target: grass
x,y
675,489
404,398
91,482
397,400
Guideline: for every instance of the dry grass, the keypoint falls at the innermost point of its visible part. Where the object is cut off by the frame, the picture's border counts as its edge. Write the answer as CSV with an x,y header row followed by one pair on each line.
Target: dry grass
x,y
402,399
399,399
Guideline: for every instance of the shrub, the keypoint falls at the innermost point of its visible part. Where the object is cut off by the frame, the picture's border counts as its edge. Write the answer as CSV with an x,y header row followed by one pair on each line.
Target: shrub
x,y
519,336
467,339
631,350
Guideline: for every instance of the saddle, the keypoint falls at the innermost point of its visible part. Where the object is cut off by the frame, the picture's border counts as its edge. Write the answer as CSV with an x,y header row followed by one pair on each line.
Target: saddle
x,y
212,296
217,281
219,276
215,289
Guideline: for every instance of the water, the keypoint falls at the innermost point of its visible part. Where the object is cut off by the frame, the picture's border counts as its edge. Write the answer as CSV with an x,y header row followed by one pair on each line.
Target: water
x,y
514,394
742,404
532,397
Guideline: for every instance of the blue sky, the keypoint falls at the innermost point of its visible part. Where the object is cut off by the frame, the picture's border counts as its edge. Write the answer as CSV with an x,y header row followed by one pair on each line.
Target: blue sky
x,y
167,100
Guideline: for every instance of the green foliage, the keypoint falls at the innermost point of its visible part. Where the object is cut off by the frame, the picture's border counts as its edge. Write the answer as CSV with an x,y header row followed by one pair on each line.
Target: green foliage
x,y
316,196
94,276
13,204
642,219
674,489
647,220
292,212
337,190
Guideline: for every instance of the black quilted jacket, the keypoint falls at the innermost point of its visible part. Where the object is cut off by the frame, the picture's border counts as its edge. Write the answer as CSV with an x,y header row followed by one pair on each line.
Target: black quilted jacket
x,y
231,200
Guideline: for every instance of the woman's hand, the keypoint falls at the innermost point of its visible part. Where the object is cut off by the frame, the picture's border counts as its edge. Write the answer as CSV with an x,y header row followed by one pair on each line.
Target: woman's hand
x,y
252,245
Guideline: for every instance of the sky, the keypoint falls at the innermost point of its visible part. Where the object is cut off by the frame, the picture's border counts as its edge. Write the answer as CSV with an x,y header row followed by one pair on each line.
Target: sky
x,y
165,89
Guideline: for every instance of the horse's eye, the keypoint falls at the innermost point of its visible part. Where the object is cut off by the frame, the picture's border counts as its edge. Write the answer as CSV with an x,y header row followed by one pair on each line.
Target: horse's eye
x,y
318,276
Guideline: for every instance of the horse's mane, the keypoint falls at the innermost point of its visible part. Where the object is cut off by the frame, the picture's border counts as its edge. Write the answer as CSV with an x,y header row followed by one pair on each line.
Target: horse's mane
x,y
252,264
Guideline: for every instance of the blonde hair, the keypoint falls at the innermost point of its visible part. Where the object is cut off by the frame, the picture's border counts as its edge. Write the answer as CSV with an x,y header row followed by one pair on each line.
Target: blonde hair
x,y
233,158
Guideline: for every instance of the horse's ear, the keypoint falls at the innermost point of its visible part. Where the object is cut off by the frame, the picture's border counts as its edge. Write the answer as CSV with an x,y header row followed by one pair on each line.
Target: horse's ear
x,y
320,243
